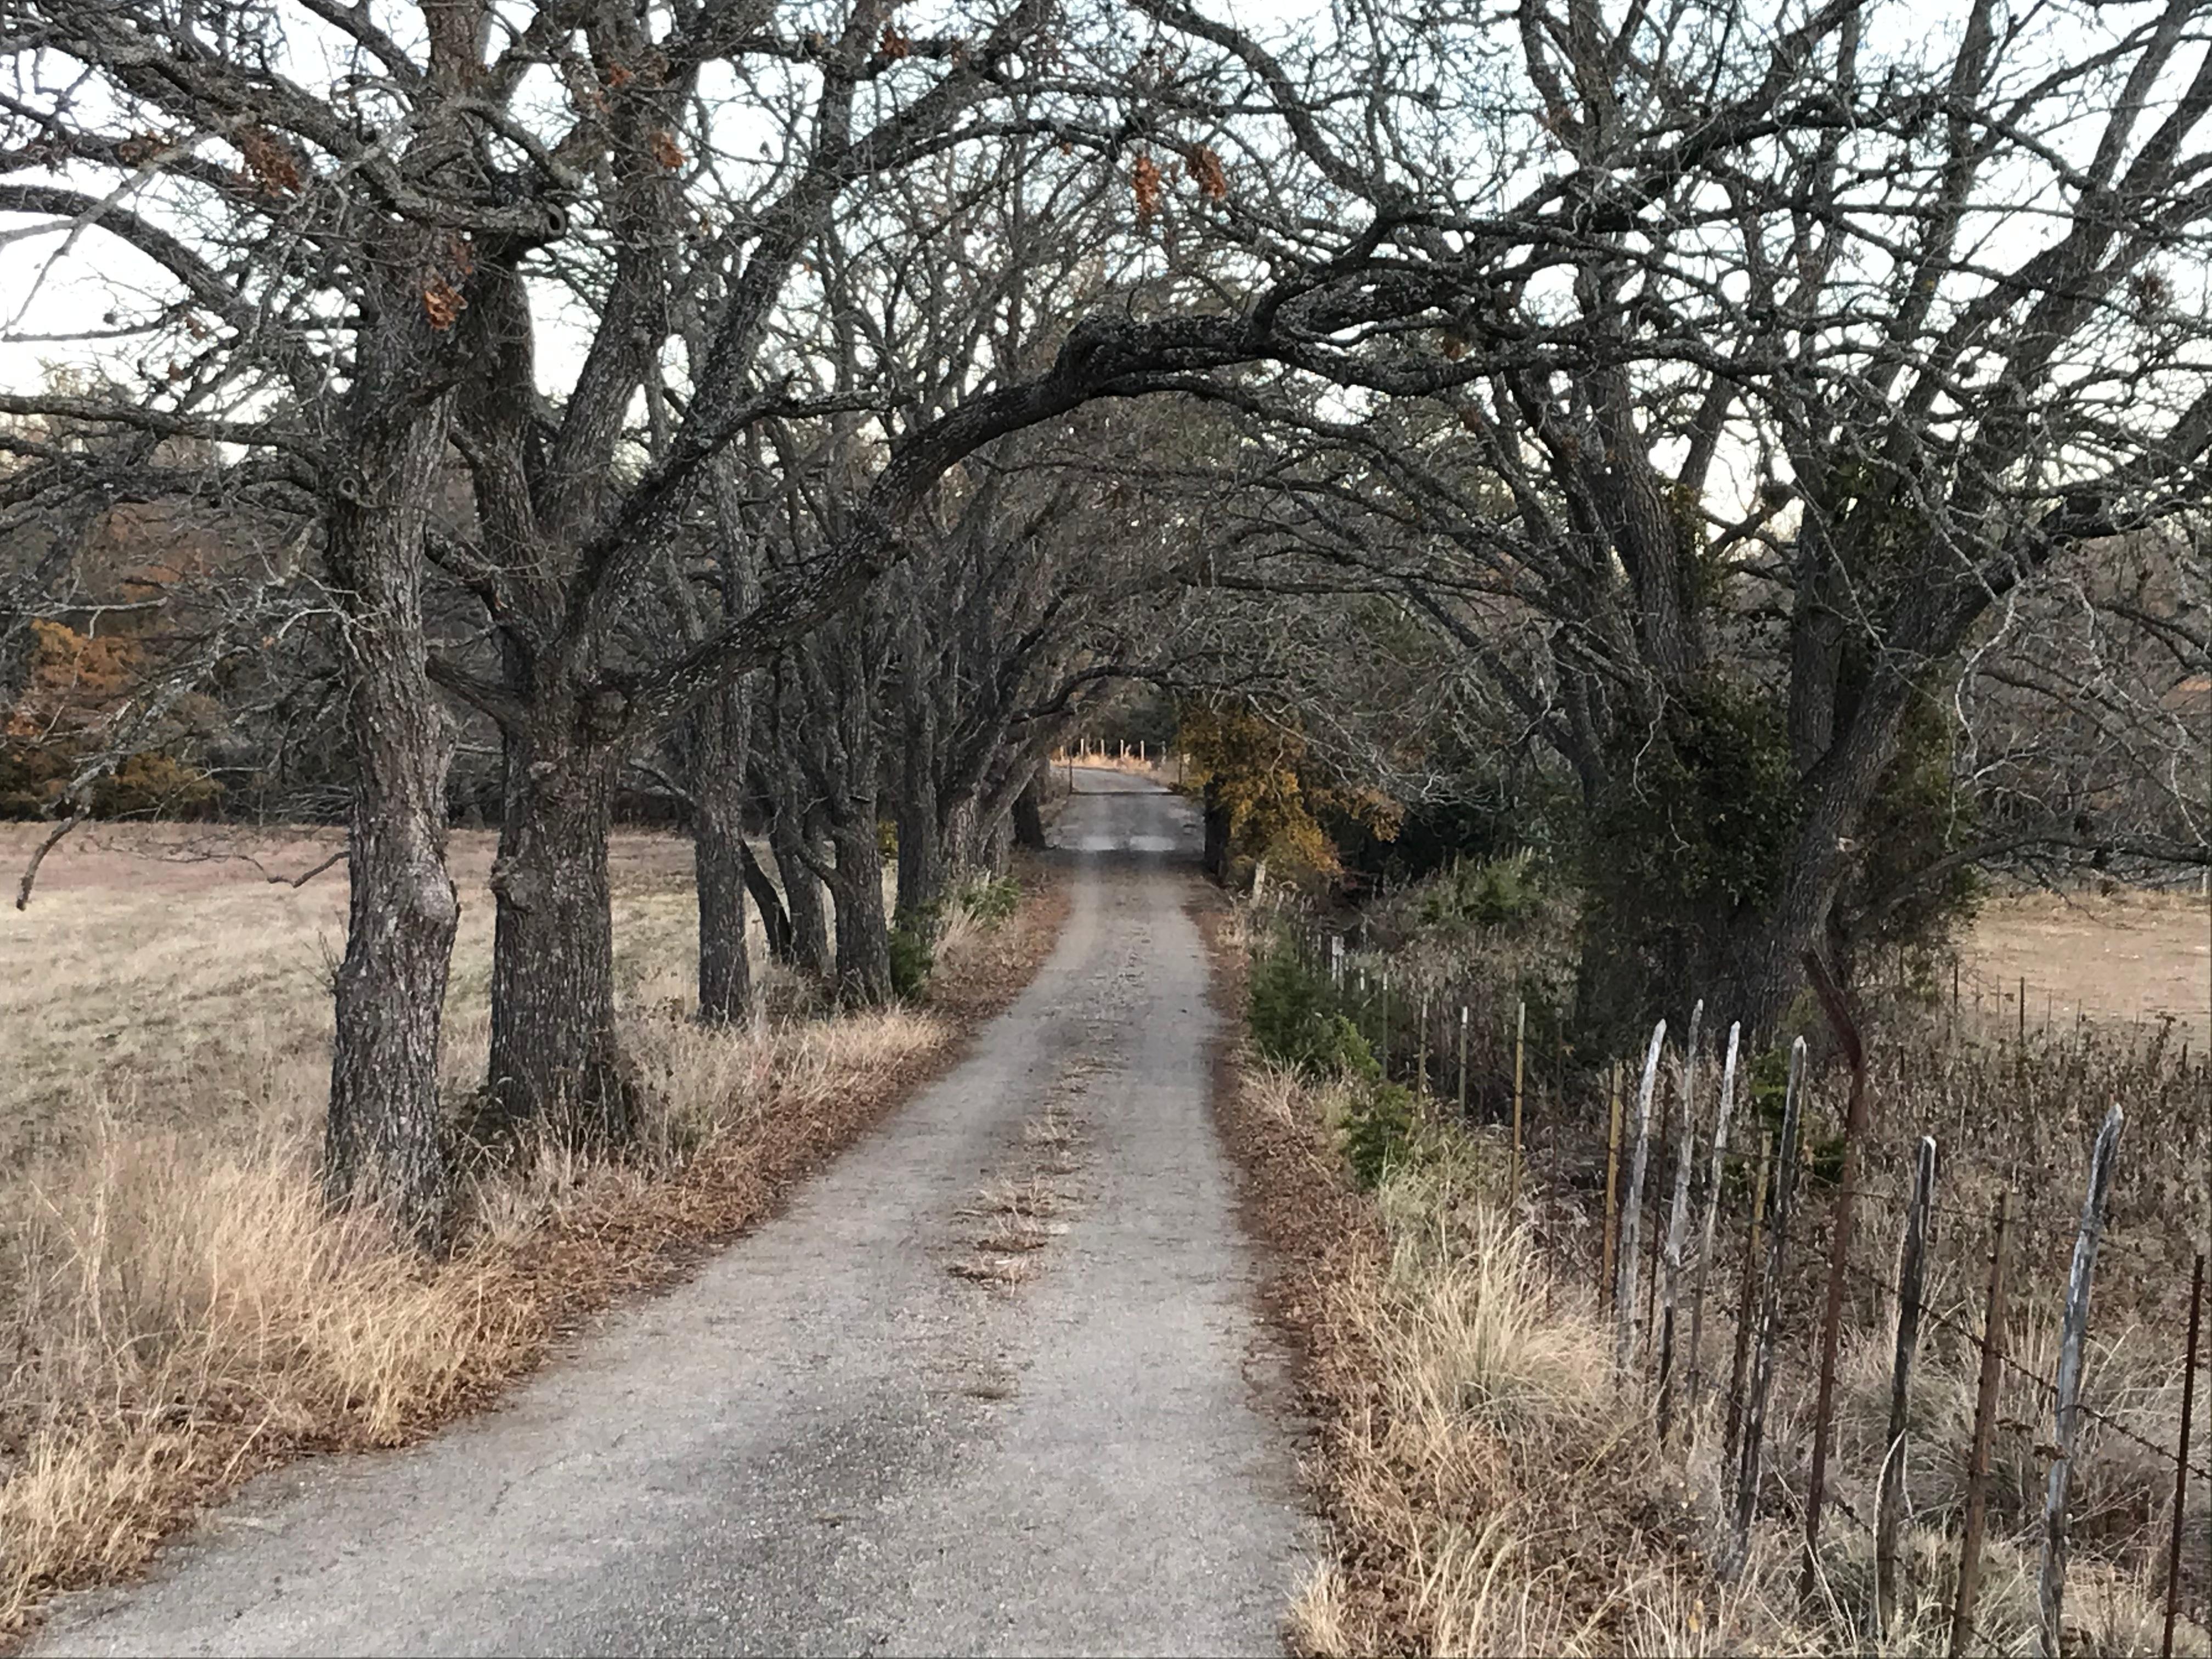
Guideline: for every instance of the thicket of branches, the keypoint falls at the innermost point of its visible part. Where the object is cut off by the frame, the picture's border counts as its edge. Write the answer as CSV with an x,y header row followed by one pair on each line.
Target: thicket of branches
x,y
1759,447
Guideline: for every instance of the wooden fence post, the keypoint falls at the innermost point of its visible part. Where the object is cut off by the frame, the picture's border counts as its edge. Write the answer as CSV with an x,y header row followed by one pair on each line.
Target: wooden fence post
x,y
2050,1575
1746,1298
1770,1317
2181,1455
1839,1253
1713,1182
1632,1208
1678,1222
1985,1419
1910,1274
1606,1275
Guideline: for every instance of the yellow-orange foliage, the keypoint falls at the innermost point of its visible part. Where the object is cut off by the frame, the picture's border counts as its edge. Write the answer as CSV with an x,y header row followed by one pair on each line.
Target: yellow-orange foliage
x,y
1260,774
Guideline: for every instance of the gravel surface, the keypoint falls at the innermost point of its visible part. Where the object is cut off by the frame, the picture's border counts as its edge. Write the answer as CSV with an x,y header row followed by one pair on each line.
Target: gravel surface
x,y
874,1425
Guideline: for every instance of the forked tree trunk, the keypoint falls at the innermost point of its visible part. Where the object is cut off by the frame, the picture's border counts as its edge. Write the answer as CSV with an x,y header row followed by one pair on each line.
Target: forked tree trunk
x,y
775,920
555,1057
802,894
383,1143
718,856
864,953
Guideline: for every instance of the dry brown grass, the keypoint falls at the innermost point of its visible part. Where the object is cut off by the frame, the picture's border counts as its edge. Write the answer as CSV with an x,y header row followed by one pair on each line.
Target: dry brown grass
x,y
177,1309
1493,1488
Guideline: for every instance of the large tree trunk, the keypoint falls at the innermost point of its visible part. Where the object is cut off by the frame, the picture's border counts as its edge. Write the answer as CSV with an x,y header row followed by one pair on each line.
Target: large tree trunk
x,y
718,856
802,891
555,1056
383,1142
922,875
864,951
1028,814
1762,967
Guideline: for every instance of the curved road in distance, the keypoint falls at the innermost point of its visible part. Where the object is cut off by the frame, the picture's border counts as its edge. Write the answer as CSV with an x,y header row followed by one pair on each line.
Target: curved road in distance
x,y
831,1441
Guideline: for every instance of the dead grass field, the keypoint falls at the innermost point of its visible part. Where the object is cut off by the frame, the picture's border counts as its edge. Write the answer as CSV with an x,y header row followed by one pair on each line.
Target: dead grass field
x,y
176,1310
2121,956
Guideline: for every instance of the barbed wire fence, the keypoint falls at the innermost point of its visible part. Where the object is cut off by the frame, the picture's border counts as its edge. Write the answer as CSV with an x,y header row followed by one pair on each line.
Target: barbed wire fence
x,y
1738,1240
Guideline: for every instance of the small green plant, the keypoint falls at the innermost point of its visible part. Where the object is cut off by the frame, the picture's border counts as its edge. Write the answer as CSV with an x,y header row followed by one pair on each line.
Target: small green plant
x,y
992,899
1491,893
1295,1020
912,956
1378,1132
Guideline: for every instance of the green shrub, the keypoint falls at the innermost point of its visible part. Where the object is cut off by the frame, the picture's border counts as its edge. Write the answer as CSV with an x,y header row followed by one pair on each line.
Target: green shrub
x,y
1491,893
990,900
912,956
1295,1020
1378,1132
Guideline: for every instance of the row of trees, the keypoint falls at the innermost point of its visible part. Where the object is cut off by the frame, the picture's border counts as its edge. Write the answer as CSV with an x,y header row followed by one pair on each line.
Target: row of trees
x,y
800,404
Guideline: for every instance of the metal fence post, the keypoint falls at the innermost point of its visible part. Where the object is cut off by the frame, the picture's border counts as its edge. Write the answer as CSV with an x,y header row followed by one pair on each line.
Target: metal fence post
x,y
1910,1270
2181,1456
1513,1170
1770,1318
1985,1419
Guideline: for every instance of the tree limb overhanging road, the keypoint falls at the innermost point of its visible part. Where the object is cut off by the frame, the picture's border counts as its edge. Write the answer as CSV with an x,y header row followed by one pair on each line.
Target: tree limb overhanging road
x,y
867,1427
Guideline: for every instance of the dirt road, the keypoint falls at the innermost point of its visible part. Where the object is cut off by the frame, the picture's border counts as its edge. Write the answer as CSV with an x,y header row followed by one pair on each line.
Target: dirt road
x,y
995,1383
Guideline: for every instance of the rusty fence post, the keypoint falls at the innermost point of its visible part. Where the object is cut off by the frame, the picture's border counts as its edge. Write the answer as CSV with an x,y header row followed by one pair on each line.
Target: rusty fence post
x,y
1605,1273
1631,1209
1713,1182
1890,1489
1839,1254
1770,1317
2050,1573
2181,1457
1985,1419
1678,1223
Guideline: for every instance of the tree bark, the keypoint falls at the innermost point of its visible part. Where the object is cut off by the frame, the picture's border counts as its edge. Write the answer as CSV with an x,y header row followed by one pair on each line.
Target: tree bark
x,y
719,860
1759,966
555,1056
802,891
775,920
922,873
1028,814
864,951
383,1142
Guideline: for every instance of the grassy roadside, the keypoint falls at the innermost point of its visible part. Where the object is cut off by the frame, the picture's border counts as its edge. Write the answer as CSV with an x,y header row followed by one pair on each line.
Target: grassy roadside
x,y
178,1312
1490,1486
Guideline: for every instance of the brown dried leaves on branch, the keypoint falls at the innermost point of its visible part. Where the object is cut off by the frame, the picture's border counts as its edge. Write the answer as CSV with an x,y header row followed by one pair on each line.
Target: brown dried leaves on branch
x,y
443,303
1145,179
